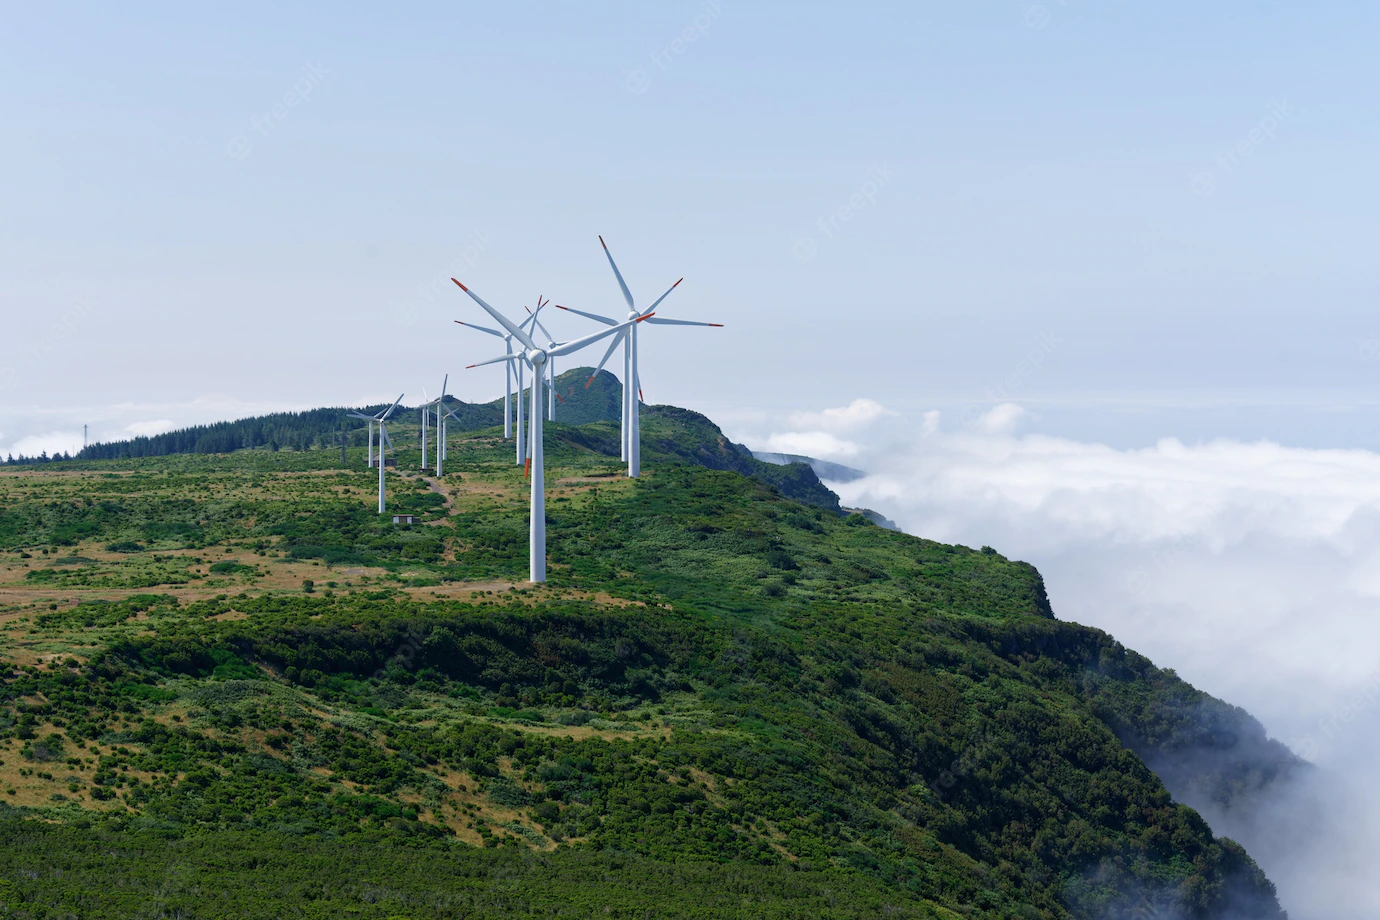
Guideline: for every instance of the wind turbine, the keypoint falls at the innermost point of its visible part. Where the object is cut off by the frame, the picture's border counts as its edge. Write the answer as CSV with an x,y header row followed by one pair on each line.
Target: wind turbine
x,y
440,448
507,338
550,365
537,358
369,460
632,382
381,418
438,402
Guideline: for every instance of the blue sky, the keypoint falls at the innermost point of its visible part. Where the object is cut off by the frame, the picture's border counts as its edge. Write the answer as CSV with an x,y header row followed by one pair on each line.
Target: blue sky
x,y
1065,169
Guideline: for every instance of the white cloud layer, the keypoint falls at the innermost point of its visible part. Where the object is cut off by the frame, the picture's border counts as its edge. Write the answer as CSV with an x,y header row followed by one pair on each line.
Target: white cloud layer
x,y
49,442
855,416
1253,569
819,444
817,434
146,429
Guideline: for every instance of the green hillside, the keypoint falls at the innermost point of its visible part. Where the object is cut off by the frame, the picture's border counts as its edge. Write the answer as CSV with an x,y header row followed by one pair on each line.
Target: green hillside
x,y
229,689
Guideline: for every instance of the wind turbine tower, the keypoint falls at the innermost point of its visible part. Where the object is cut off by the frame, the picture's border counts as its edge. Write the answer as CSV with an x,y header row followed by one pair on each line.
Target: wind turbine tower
x,y
509,374
537,358
632,381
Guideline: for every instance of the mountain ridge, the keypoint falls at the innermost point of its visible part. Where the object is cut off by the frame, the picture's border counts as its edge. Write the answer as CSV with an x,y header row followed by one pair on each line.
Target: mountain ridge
x,y
717,671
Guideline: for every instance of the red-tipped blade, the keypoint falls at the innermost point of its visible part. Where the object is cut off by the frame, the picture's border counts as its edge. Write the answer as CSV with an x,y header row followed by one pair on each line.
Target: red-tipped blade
x,y
588,382
648,316
462,287
561,398
717,325
559,307
527,470
468,366
602,243
640,396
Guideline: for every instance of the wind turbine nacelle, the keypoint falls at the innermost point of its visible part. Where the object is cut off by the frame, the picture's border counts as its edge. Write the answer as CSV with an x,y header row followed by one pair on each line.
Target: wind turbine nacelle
x,y
536,356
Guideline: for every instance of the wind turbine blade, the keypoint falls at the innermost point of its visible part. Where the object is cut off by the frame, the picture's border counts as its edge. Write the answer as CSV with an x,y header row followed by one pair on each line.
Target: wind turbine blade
x,y
549,336
648,311
481,328
386,439
503,321
367,418
594,316
445,380
566,348
618,340
681,322
391,408
627,294
508,357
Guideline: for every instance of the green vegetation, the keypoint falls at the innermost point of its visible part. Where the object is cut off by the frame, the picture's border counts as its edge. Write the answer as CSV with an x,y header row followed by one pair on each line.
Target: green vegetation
x,y
730,700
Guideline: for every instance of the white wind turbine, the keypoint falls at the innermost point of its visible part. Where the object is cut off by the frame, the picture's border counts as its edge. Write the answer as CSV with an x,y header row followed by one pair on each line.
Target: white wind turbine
x,y
550,365
369,459
380,419
509,374
441,444
537,358
632,382
439,404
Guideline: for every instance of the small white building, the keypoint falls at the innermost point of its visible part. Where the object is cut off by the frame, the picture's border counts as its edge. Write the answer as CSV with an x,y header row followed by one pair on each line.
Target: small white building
x,y
404,519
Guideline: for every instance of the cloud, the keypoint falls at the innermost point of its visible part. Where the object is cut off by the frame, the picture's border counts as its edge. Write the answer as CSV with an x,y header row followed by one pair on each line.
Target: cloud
x,y
49,442
147,429
855,416
1251,568
1000,419
818,444
816,434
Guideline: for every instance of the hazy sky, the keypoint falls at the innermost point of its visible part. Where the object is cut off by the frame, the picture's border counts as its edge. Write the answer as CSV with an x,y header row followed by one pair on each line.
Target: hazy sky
x,y
1092,282
896,201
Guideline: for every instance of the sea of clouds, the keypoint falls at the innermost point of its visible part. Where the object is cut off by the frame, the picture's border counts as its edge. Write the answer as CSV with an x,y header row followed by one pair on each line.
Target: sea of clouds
x,y
1252,569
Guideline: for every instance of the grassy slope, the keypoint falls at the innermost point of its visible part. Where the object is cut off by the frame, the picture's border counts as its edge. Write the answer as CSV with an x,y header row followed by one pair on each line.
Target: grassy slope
x,y
715,676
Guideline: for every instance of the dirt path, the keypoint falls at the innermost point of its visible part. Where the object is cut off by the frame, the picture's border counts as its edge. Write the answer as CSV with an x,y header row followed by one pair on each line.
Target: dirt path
x,y
440,490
